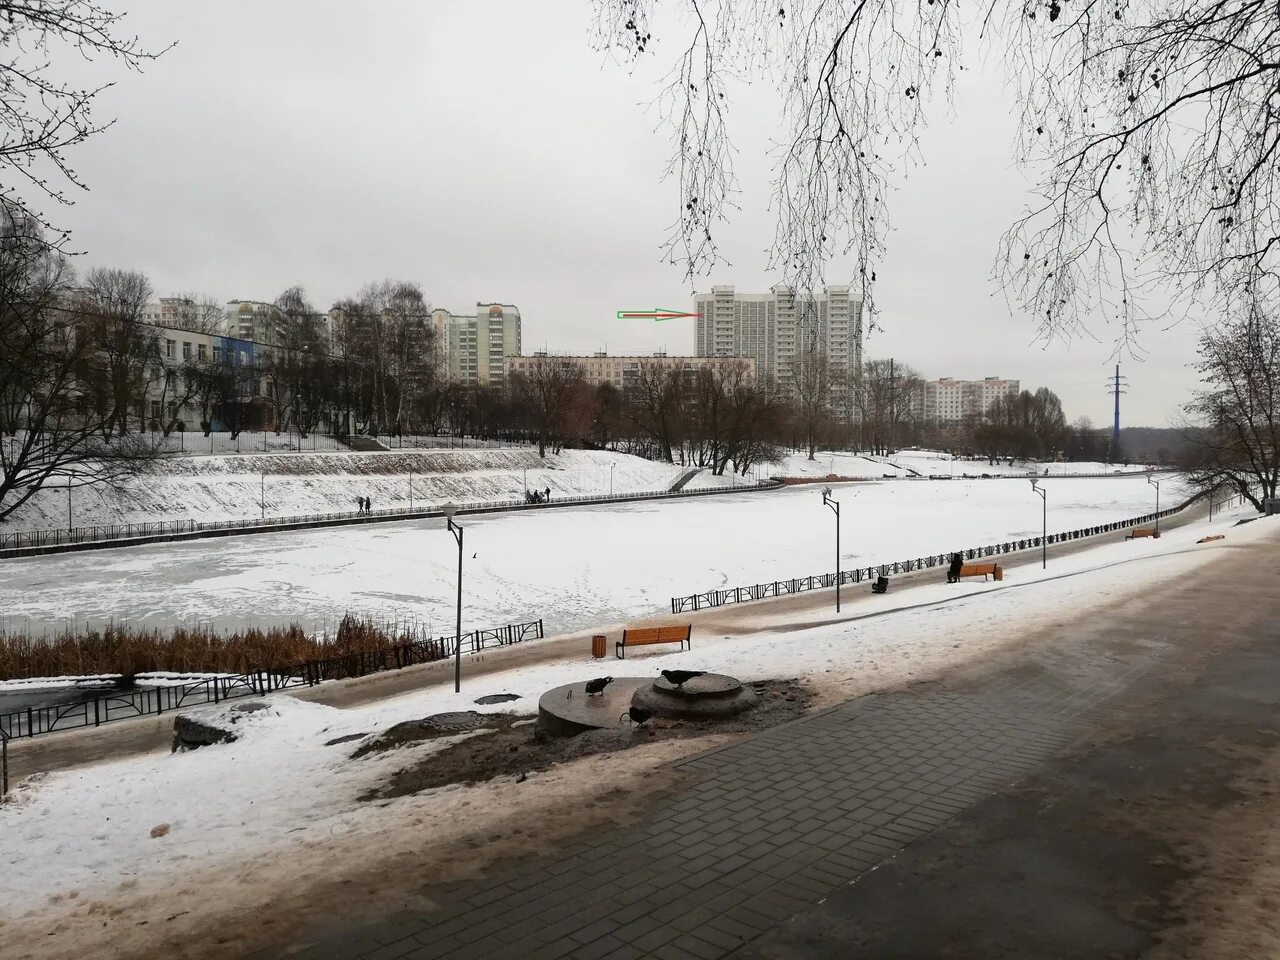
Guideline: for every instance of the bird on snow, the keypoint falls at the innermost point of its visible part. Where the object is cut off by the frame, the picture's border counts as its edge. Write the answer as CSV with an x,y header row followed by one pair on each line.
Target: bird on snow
x,y
678,678
636,715
597,685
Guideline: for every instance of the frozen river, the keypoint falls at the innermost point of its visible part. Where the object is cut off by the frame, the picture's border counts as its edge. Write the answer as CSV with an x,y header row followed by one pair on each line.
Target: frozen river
x,y
573,567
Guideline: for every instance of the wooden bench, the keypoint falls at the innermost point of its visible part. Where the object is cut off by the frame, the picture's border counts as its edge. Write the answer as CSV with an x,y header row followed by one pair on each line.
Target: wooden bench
x,y
984,569
1137,532
647,635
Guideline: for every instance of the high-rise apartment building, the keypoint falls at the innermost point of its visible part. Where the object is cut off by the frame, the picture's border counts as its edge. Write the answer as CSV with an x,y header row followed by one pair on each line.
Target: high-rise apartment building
x,y
950,401
777,327
476,348
251,320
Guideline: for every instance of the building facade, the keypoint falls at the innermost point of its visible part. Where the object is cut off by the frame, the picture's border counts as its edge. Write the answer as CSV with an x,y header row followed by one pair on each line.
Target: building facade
x,y
251,320
947,400
776,328
624,372
477,348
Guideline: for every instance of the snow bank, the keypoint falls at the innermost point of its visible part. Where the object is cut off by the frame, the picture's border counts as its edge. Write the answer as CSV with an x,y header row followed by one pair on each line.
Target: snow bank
x,y
299,484
925,463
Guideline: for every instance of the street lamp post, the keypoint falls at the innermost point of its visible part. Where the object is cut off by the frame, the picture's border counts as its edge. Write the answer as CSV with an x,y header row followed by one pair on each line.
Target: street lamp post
x,y
611,468
262,494
68,503
835,506
1156,483
411,490
449,509
1044,528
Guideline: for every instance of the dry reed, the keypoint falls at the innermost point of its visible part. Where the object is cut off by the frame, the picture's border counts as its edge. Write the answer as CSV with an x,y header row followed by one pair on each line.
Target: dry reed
x,y
124,650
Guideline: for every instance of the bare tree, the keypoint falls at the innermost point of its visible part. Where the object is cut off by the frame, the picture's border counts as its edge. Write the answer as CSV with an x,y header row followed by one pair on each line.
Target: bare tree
x,y
44,117
812,379
546,388
114,301
49,429
1237,412
200,314
884,399
1150,124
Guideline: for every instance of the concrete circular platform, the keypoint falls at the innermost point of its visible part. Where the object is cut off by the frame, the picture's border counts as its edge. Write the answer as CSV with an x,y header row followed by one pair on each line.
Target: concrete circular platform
x,y
567,710
708,697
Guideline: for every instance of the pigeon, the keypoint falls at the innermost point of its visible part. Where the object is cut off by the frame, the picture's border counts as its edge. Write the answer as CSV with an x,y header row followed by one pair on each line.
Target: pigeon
x,y
636,715
680,677
597,685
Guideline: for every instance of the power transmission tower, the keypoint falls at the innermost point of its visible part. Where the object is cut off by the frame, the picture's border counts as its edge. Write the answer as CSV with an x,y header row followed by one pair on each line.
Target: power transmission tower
x,y
1116,385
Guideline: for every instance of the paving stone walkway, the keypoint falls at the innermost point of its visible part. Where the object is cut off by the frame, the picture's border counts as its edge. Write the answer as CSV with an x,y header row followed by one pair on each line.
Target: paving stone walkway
x,y
773,825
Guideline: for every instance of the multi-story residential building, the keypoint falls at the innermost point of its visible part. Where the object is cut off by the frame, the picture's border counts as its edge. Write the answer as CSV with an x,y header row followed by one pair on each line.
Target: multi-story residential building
x,y
477,348
624,372
251,320
947,400
777,327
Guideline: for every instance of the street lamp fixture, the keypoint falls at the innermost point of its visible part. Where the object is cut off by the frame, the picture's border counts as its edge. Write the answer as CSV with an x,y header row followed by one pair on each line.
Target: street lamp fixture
x,y
449,510
1044,528
611,469
1156,483
835,507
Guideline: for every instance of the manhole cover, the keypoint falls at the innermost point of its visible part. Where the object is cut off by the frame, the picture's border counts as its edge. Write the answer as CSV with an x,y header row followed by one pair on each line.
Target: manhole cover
x,y
497,698
457,722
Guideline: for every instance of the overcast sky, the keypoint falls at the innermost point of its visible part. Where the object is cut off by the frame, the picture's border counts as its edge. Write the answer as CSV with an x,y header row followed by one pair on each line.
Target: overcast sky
x,y
480,148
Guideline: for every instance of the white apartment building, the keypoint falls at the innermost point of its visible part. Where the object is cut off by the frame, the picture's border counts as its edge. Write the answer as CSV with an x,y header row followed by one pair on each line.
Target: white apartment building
x,y
946,400
775,328
477,348
624,372
251,320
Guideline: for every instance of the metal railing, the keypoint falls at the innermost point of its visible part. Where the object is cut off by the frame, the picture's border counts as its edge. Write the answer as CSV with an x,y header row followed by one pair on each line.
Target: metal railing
x,y
184,529
782,588
154,701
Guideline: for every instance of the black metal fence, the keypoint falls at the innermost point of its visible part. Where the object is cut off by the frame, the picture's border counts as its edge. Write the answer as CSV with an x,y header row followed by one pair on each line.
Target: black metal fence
x,y
189,529
782,588
153,701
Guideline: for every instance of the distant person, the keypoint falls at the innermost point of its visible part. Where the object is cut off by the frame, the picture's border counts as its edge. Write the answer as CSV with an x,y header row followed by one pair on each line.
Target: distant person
x,y
368,505
548,494
953,571
359,505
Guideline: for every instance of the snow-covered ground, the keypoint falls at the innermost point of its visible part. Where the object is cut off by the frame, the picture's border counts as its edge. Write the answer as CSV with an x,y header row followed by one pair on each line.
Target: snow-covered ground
x,y
83,838
574,567
906,463
299,484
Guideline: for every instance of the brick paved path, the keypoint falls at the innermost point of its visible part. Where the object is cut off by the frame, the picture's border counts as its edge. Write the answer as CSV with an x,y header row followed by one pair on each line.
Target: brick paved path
x,y
774,824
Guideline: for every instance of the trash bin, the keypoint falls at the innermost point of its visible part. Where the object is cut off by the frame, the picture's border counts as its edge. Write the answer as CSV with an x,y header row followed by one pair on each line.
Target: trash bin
x,y
597,646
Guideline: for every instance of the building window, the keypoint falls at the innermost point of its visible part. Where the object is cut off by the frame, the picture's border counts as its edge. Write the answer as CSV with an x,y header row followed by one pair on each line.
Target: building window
x,y
155,409
168,348
200,352
217,354
186,350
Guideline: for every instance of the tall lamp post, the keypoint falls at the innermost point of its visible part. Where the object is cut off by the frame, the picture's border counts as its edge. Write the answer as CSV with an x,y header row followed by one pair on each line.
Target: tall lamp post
x,y
611,468
262,493
1044,528
449,509
1156,483
835,506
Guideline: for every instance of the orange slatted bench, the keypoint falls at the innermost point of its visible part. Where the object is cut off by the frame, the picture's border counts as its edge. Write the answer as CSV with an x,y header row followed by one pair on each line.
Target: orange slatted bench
x,y
647,635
